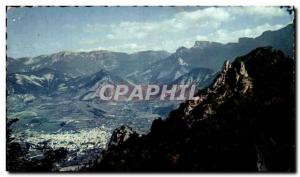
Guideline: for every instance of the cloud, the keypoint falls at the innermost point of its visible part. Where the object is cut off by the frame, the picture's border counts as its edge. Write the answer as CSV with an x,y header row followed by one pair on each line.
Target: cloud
x,y
165,29
221,24
260,11
180,22
211,13
225,36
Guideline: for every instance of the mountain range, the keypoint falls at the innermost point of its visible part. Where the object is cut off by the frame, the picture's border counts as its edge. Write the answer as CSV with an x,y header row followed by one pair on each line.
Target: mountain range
x,y
147,67
243,119
211,55
243,122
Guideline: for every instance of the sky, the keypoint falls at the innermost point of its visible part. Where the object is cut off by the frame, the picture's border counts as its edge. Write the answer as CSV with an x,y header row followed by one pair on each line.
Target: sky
x,y
46,30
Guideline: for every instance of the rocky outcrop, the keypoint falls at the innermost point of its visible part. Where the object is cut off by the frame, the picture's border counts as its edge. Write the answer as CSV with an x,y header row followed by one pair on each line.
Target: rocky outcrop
x,y
243,122
120,135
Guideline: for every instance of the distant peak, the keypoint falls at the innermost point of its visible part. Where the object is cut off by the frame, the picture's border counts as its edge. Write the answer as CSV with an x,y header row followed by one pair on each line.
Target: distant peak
x,y
244,39
99,51
181,49
202,43
64,53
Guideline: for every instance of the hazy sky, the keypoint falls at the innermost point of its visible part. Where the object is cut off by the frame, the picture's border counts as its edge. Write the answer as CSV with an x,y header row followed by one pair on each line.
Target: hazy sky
x,y
45,30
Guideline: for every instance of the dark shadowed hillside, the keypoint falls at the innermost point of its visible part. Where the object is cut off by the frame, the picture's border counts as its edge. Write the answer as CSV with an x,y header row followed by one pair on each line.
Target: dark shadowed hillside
x,y
243,122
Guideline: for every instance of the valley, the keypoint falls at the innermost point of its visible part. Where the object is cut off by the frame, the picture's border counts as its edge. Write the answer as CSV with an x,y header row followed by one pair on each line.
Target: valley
x,y
54,97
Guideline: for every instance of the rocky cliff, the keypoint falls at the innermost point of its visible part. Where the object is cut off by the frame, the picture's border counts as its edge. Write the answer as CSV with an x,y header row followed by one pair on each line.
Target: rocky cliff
x,y
243,122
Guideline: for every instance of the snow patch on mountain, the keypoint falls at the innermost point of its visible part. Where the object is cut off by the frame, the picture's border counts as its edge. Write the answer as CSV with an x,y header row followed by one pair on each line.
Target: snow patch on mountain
x,y
181,62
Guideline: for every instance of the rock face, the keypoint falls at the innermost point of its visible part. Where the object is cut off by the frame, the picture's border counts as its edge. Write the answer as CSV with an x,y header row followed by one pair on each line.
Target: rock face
x,y
243,122
200,77
120,135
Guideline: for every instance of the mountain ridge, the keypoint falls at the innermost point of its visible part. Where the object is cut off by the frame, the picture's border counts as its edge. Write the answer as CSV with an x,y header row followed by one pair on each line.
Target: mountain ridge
x,y
226,129
211,55
202,54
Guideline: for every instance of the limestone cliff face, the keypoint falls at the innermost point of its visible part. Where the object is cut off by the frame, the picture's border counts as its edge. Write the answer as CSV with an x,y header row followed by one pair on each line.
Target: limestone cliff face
x,y
243,122
232,80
